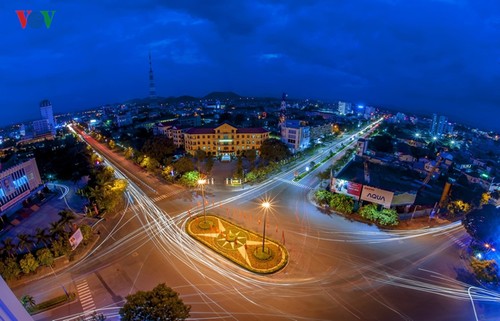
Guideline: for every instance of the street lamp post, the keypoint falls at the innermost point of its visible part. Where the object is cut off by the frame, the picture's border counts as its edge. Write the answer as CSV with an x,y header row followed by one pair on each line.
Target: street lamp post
x,y
202,182
266,206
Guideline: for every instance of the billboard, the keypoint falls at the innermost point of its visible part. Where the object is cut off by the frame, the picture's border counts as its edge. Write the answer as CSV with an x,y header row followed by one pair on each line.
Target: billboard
x,y
7,185
404,199
75,239
377,195
349,188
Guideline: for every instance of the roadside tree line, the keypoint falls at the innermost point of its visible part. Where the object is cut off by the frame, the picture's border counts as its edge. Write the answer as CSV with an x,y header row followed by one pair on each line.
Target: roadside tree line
x,y
345,205
26,253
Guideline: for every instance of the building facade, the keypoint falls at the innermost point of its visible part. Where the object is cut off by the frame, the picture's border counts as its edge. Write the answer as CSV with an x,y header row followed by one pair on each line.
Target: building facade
x,y
10,307
296,135
48,114
172,131
224,140
17,182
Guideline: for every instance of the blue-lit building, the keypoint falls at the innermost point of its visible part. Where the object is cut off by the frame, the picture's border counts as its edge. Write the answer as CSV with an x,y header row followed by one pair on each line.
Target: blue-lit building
x,y
296,134
17,182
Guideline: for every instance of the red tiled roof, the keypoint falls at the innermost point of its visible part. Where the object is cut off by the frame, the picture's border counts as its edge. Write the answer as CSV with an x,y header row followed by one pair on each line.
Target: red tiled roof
x,y
258,130
202,130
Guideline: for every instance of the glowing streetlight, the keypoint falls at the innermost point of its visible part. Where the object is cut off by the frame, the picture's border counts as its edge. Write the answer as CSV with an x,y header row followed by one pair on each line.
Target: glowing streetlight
x,y
202,183
266,206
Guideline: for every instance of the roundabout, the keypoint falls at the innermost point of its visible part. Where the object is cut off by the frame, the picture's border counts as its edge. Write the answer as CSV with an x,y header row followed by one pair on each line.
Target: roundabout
x,y
243,247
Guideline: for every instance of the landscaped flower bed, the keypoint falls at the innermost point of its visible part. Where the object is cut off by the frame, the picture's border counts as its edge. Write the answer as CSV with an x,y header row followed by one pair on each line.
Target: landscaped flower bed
x,y
238,244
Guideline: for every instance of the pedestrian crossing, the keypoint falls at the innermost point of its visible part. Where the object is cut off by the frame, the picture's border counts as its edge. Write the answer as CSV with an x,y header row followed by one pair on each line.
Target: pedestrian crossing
x,y
85,296
455,240
166,195
294,183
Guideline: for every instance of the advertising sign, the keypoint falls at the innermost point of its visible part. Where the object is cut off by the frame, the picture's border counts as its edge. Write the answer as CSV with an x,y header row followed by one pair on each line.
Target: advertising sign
x,y
75,239
404,199
342,186
377,195
7,185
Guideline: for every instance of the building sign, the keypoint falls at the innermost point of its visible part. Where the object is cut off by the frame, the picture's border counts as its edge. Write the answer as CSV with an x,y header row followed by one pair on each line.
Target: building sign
x,y
342,186
76,239
377,196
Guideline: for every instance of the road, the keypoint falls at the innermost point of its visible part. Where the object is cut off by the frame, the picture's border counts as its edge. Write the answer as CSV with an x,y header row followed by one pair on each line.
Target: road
x,y
338,269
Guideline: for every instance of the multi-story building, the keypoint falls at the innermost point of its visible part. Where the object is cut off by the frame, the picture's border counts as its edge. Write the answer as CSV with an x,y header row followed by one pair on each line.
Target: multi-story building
x,y
295,134
171,130
319,131
224,140
440,125
17,182
41,127
344,108
10,307
48,114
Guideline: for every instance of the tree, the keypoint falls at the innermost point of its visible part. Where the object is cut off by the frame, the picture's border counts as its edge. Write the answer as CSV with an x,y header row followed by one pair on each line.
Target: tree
x,y
342,203
485,270
8,247
28,302
324,175
458,207
190,179
251,156
45,257
60,247
485,198
160,304
56,230
159,148
274,150
209,164
11,269
24,242
87,233
482,224
323,197
67,217
28,263
183,165
238,172
41,236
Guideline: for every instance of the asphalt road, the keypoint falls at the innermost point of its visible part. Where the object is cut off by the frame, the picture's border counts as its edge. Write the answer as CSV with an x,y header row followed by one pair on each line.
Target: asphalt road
x,y
337,270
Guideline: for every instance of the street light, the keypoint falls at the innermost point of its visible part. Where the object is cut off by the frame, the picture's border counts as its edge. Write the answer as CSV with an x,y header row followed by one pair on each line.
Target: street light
x,y
202,183
266,206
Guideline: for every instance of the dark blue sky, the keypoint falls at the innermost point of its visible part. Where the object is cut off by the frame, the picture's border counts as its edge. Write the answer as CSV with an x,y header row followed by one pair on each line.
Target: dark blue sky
x,y
424,56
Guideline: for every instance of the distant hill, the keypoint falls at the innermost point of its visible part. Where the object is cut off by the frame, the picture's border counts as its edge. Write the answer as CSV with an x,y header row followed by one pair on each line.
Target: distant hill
x,y
222,95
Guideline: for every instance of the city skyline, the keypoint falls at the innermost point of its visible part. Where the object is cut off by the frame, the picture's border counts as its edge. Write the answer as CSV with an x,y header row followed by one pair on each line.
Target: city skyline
x,y
417,57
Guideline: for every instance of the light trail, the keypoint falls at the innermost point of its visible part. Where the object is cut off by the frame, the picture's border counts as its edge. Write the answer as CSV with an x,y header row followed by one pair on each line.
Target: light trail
x,y
169,237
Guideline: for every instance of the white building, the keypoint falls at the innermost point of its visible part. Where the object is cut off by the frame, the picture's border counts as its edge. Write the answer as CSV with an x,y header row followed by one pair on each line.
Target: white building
x,y
296,134
47,113
344,108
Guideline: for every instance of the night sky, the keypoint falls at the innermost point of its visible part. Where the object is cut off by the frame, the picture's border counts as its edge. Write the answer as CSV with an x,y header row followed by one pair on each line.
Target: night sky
x,y
420,56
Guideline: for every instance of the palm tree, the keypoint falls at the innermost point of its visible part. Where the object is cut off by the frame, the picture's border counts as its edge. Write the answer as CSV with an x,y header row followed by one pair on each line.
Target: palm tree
x,y
9,248
67,217
56,229
24,242
28,302
41,236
